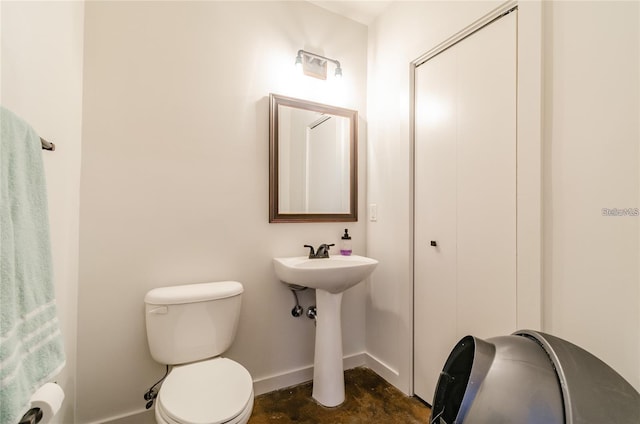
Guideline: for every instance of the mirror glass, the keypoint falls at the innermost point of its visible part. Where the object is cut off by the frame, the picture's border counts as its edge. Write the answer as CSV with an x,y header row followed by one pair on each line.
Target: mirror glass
x,y
313,161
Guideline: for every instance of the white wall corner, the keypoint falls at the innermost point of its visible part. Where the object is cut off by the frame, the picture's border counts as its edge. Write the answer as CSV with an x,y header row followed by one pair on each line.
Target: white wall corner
x,y
529,165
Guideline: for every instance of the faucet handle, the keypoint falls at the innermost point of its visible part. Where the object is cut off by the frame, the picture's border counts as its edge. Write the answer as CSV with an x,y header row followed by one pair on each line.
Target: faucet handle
x,y
311,252
323,250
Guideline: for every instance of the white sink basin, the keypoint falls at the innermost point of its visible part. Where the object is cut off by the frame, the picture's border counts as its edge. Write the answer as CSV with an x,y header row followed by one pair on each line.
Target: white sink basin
x,y
334,274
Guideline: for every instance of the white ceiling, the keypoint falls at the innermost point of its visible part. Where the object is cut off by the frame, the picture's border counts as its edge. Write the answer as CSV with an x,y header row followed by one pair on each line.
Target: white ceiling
x,y
363,11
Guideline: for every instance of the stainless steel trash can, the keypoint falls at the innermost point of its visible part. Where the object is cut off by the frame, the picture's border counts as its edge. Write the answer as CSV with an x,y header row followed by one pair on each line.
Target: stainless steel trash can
x,y
530,377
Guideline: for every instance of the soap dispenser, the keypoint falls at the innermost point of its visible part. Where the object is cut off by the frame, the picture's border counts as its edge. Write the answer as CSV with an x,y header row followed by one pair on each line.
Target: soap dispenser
x,y
345,244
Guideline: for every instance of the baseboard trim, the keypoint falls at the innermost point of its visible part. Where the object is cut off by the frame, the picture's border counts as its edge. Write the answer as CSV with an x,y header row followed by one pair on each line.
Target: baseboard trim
x,y
141,416
390,374
301,375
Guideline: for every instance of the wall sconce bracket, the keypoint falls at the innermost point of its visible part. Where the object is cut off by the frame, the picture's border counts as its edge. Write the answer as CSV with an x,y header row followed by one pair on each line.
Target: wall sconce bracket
x,y
314,65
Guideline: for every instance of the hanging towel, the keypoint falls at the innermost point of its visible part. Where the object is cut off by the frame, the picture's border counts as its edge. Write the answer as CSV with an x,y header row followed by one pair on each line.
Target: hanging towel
x,y
31,349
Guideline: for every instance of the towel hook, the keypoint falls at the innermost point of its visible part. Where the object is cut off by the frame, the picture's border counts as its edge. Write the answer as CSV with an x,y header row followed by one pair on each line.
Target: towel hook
x,y
47,145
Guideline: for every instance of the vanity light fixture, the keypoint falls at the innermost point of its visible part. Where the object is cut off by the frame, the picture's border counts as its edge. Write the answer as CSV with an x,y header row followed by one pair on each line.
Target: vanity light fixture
x,y
314,65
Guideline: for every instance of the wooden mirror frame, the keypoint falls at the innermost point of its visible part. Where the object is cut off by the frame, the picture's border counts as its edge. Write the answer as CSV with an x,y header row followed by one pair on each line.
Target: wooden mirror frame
x,y
274,213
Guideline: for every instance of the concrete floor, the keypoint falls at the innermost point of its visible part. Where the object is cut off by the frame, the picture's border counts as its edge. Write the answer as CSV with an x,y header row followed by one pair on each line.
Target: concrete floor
x,y
369,399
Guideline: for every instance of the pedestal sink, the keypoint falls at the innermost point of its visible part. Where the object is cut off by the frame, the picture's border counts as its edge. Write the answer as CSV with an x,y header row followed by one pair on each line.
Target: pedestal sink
x,y
330,277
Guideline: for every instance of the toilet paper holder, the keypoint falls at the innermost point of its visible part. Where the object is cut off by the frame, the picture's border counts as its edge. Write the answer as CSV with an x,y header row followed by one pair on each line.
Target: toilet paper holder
x,y
33,416
44,404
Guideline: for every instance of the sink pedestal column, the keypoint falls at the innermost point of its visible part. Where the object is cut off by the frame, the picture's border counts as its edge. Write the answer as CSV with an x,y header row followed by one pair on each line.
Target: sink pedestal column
x,y
328,375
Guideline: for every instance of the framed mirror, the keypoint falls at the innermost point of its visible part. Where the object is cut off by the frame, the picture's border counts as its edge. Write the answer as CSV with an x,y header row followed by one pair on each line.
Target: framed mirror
x,y
313,161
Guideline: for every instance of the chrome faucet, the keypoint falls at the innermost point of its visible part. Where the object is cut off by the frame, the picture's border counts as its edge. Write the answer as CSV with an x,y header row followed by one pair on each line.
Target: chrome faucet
x,y
323,251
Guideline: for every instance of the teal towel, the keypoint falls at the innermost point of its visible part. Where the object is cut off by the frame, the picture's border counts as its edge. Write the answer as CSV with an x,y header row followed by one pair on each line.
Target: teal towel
x,y
31,349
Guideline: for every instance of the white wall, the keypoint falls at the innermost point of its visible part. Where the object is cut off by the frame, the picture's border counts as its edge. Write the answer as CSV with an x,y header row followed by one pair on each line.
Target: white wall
x,y
175,180
42,82
592,138
591,281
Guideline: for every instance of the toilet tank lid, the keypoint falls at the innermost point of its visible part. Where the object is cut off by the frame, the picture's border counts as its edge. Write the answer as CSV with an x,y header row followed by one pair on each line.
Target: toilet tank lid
x,y
190,293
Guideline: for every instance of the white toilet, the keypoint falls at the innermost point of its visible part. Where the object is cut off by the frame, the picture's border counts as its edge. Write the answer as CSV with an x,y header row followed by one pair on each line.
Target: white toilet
x,y
189,327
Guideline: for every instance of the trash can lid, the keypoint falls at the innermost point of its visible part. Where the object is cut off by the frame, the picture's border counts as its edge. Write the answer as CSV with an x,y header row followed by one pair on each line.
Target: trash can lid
x,y
592,391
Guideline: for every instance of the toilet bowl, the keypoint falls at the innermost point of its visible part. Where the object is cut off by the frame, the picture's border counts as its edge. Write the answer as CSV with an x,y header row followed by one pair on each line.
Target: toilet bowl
x,y
215,391
189,327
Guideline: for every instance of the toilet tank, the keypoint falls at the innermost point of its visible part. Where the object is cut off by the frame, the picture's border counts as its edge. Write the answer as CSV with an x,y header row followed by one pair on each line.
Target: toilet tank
x,y
192,322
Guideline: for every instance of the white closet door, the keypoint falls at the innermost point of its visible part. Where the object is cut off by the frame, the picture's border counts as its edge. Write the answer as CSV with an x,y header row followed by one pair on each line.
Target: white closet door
x,y
465,196
435,291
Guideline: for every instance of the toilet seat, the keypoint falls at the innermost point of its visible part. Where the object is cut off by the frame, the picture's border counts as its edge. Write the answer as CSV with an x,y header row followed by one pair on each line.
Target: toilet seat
x,y
214,391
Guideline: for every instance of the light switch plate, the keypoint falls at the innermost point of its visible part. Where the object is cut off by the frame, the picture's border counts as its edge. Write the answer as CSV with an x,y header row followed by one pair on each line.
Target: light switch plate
x,y
373,212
